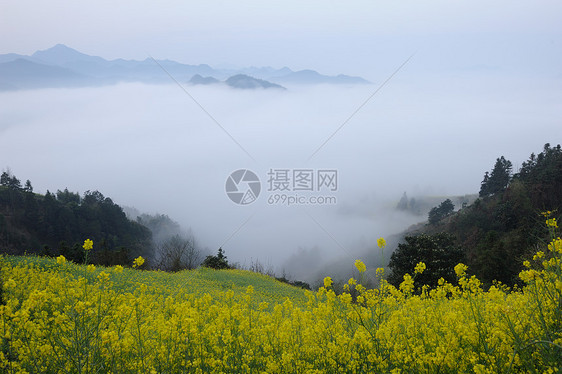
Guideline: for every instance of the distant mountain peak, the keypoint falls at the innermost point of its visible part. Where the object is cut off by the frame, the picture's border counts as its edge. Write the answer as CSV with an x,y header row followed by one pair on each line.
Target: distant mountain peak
x,y
58,49
62,55
246,82
62,47
198,79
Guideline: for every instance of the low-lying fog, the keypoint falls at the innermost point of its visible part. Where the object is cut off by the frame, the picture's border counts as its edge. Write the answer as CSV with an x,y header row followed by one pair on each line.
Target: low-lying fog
x,y
152,147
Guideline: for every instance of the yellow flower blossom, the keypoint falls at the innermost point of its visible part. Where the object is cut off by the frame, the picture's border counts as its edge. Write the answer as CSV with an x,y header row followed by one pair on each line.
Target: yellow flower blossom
x,y
233,321
10,283
460,270
91,268
555,246
381,242
551,222
420,267
539,254
88,245
407,284
345,298
61,260
118,269
360,266
138,262
103,277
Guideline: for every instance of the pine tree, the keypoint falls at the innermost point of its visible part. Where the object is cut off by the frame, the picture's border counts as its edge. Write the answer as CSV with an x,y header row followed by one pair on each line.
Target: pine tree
x,y
498,179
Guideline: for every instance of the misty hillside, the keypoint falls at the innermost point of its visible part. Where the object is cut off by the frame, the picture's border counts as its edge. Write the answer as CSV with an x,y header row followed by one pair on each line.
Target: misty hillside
x,y
61,66
58,223
25,74
505,224
492,233
246,82
239,81
198,79
313,77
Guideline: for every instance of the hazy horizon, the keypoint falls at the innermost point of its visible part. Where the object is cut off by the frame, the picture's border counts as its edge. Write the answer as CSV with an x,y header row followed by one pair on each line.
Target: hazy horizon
x,y
354,38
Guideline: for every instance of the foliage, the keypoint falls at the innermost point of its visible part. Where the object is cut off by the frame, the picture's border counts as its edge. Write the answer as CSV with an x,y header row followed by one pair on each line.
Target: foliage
x,y
497,232
438,252
161,226
542,177
498,179
62,317
53,224
216,262
296,283
10,181
443,210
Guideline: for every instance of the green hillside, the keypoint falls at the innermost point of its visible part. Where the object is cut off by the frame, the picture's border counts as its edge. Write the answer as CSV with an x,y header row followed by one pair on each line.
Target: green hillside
x,y
497,232
180,284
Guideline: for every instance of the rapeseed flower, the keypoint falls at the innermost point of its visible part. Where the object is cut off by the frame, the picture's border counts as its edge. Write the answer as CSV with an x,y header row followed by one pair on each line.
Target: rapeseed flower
x,y
88,245
103,277
381,242
551,222
360,266
187,322
420,267
460,270
138,262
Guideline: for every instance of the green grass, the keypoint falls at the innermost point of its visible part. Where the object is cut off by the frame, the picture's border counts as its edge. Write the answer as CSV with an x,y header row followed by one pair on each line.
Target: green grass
x,y
188,282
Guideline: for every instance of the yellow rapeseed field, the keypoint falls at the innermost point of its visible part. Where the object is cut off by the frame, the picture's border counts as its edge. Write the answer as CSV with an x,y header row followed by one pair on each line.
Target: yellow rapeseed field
x,y
59,317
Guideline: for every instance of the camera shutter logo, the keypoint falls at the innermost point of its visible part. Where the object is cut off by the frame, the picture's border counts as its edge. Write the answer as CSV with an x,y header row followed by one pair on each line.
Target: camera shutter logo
x,y
243,187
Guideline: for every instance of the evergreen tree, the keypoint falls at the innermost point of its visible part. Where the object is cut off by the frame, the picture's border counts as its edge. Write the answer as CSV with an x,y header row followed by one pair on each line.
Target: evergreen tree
x,y
484,185
216,262
498,179
28,187
444,209
403,203
439,252
5,179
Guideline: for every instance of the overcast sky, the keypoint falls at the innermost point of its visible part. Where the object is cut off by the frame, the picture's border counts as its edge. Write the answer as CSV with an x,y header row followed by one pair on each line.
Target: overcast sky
x,y
350,37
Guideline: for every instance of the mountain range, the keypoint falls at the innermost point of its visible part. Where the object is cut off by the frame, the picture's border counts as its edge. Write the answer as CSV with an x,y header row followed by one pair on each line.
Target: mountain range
x,y
61,66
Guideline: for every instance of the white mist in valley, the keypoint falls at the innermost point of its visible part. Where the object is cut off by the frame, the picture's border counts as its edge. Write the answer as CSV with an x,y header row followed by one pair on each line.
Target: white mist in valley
x,y
154,148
